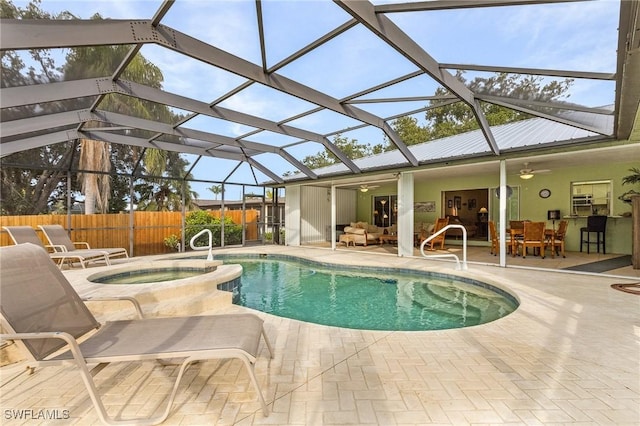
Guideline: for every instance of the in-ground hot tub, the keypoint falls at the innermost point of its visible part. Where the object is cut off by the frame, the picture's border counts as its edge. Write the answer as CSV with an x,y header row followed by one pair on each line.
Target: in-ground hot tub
x,y
169,287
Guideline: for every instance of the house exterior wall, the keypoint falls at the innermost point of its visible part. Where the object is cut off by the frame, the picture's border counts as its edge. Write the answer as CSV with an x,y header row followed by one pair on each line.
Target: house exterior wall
x,y
308,216
352,205
533,207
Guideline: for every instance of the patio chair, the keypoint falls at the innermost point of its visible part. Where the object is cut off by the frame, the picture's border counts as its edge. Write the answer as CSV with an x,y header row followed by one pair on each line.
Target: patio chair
x,y
533,236
26,234
60,241
44,315
440,223
558,238
495,239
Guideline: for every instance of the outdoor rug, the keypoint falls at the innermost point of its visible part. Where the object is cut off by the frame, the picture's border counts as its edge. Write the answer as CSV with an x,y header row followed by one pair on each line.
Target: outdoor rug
x,y
603,265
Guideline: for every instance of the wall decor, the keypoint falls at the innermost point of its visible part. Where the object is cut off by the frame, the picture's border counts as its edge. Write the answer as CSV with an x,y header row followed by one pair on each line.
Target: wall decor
x,y
472,203
458,202
544,193
450,204
424,206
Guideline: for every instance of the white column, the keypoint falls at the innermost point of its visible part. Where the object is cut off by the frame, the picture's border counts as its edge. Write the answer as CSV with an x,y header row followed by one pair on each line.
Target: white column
x,y
503,213
333,217
405,214
292,222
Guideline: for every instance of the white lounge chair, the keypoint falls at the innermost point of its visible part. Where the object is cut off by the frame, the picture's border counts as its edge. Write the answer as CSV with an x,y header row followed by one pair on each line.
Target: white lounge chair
x,y
43,314
60,241
26,234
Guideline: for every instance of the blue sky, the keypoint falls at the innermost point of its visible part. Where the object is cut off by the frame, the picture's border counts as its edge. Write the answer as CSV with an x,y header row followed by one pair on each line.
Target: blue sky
x,y
580,36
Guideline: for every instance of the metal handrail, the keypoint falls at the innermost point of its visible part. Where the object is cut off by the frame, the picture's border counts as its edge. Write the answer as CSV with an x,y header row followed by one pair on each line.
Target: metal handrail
x,y
459,267
195,237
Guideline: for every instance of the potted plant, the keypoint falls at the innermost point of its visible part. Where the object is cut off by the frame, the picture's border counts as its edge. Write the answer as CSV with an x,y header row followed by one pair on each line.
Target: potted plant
x,y
632,179
173,242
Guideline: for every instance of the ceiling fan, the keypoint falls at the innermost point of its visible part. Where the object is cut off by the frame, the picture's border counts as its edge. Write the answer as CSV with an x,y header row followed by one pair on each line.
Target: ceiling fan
x,y
365,188
528,173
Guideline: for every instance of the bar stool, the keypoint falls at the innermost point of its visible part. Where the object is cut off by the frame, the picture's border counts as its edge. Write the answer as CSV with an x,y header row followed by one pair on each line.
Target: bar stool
x,y
598,225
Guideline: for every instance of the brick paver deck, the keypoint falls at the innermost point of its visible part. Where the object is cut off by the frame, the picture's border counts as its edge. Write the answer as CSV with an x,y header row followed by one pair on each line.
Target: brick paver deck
x,y
569,355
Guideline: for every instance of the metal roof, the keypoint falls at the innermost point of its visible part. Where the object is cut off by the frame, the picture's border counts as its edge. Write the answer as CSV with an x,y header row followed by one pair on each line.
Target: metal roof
x,y
262,107
531,133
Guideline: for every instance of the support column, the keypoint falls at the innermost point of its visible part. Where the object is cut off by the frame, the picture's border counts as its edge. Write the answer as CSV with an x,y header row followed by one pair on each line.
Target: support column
x,y
405,214
635,217
503,213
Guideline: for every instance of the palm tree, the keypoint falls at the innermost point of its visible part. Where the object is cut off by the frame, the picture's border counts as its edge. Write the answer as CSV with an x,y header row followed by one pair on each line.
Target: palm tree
x,y
101,61
95,186
216,189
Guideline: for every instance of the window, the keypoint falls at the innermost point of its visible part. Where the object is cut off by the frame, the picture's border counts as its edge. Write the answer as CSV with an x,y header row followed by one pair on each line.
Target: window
x,y
591,198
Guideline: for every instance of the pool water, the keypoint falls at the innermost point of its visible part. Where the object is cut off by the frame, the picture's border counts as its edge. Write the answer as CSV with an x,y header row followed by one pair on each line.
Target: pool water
x,y
364,299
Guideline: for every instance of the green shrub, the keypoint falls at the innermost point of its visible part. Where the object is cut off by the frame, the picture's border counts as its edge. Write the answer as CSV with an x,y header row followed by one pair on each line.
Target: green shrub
x,y
198,220
173,242
268,236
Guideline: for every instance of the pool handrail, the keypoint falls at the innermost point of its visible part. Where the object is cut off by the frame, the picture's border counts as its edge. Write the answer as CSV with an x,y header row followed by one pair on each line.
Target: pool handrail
x,y
459,267
195,237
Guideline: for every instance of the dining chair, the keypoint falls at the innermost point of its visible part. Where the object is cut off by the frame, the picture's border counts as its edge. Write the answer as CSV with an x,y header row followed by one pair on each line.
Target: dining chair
x,y
557,241
516,231
495,239
533,236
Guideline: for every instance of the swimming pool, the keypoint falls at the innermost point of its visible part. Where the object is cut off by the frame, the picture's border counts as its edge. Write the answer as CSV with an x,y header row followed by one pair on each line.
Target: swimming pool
x,y
366,298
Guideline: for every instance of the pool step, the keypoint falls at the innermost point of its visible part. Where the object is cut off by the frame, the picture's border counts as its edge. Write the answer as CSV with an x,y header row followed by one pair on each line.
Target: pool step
x,y
446,301
480,305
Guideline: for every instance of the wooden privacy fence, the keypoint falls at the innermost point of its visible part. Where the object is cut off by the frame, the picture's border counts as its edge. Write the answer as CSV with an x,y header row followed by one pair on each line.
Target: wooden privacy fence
x,y
114,230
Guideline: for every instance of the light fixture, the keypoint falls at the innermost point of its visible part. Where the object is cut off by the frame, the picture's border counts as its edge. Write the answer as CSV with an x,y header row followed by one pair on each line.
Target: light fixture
x,y
552,215
363,189
483,213
526,176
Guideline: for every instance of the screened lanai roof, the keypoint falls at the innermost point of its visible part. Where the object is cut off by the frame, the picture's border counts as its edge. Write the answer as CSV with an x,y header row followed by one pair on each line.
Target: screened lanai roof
x,y
259,85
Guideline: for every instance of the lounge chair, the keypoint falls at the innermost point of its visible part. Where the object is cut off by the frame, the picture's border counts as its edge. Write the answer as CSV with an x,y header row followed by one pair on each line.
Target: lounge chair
x,y
43,314
60,241
26,234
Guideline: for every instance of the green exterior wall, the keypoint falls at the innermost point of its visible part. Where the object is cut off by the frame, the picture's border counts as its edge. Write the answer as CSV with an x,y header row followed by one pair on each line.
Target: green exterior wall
x,y
532,207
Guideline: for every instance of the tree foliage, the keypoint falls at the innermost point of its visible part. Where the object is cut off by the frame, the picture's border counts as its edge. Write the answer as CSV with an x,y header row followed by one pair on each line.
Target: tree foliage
x,y
409,131
351,147
33,191
455,118
459,118
452,119
162,193
216,189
